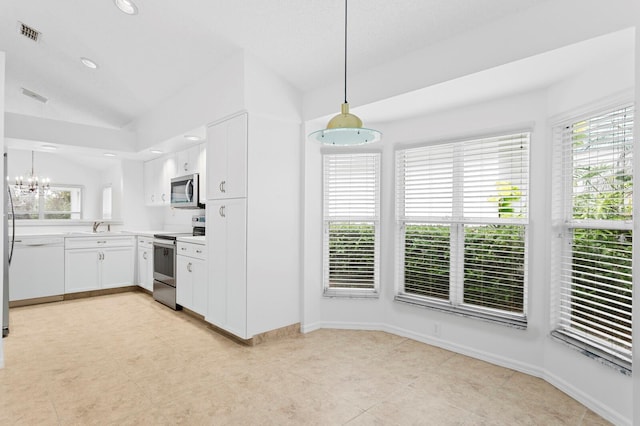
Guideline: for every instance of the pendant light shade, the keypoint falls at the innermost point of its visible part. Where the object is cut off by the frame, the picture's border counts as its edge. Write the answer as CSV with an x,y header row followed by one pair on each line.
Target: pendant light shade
x,y
345,129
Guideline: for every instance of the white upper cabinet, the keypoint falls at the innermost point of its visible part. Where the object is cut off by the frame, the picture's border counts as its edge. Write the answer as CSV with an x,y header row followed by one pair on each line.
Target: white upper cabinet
x,y
157,180
159,172
188,161
227,159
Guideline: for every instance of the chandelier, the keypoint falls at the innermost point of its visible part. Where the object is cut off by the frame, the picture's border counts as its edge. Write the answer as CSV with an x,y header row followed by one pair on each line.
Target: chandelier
x,y
32,184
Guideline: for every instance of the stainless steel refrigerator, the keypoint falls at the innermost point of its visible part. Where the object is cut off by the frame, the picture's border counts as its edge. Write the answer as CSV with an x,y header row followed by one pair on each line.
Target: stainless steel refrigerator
x,y
8,249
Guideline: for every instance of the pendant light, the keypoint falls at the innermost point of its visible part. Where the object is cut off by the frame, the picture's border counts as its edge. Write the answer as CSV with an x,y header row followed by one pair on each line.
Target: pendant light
x,y
345,129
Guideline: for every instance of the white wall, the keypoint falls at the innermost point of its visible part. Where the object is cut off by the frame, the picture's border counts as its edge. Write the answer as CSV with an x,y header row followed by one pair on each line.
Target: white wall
x,y
547,26
19,126
217,95
273,199
2,236
603,389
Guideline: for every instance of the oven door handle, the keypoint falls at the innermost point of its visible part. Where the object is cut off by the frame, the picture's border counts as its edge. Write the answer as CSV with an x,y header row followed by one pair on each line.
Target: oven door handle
x,y
163,244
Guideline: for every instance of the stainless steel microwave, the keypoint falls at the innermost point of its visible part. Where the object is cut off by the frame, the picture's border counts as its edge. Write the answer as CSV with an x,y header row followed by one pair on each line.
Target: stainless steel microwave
x,y
185,192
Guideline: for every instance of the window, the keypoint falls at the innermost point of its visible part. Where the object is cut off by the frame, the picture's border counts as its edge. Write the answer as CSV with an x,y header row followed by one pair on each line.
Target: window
x,y
593,208
58,202
107,202
351,224
462,220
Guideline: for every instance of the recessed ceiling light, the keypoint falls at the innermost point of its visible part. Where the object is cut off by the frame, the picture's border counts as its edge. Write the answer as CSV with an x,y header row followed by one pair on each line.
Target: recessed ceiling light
x,y
156,151
192,137
108,154
127,6
89,63
49,147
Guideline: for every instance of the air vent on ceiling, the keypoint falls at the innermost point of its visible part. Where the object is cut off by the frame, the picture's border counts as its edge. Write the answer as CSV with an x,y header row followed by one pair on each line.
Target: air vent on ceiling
x,y
34,95
29,32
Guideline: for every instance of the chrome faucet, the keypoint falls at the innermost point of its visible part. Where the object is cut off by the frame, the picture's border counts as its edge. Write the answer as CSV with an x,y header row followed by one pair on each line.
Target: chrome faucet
x,y
95,226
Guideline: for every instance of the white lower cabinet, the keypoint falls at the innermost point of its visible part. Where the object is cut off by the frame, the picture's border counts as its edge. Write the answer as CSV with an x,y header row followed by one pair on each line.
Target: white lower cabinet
x,y
191,277
145,263
226,242
97,263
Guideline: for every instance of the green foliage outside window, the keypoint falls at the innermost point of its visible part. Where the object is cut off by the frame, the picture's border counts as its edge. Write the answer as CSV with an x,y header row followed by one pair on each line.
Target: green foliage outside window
x,y
351,255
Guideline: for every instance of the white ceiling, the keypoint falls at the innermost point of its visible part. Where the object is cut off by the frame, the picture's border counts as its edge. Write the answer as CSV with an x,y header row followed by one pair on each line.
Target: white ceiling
x,y
145,58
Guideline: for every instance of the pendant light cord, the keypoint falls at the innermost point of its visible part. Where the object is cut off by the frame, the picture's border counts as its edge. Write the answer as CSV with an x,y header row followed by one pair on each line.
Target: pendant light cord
x,y
345,51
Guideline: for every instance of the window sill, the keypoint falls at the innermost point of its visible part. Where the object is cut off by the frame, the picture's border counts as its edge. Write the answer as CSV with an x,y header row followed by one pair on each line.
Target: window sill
x,y
604,357
351,294
505,319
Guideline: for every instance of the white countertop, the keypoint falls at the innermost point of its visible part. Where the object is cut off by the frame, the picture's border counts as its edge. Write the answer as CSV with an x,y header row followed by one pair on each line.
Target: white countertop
x,y
198,239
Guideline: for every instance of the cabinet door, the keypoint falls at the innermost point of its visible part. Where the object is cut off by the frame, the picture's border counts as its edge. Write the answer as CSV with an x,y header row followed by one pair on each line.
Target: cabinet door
x,y
200,286
187,161
151,176
184,281
149,281
145,275
82,270
168,171
227,159
226,243
117,266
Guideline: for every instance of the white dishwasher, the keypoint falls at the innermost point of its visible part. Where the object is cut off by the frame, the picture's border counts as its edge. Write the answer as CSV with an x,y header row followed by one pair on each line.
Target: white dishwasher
x,y
37,267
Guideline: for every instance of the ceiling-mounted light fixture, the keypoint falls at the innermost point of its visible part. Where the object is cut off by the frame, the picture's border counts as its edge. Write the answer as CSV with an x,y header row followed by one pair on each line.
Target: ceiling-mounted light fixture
x,y
127,6
345,128
88,63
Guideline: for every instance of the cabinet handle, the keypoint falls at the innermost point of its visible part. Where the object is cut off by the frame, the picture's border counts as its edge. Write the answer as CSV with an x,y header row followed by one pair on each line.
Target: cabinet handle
x,y
186,167
153,197
189,267
144,255
221,211
183,248
163,198
198,251
222,184
101,242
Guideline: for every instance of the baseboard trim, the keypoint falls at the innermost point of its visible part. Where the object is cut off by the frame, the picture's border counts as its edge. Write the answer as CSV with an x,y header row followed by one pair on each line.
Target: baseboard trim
x,y
36,301
102,292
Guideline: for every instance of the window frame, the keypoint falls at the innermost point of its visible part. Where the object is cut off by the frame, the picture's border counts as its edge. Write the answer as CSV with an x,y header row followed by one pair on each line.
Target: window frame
x,y
42,212
455,303
346,292
565,225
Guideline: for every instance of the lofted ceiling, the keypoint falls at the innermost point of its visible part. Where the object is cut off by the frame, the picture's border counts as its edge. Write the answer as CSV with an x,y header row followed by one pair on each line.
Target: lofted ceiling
x,y
145,58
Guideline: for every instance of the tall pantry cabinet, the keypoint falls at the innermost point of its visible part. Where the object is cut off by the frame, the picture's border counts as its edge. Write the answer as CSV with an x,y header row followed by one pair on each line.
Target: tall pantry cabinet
x,y
253,224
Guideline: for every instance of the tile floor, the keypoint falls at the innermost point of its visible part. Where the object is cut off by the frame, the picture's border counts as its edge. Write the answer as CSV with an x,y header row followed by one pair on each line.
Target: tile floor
x,y
124,359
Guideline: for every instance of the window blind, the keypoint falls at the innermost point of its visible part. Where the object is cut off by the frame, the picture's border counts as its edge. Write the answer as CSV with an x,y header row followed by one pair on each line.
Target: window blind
x,y
595,276
462,214
351,222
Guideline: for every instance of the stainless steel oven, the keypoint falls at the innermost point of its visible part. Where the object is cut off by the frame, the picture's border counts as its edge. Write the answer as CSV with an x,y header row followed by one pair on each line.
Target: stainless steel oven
x,y
164,269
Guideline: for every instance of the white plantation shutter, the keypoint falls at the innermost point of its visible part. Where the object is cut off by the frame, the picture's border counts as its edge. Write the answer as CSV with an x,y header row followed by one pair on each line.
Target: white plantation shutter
x,y
351,223
595,274
462,212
